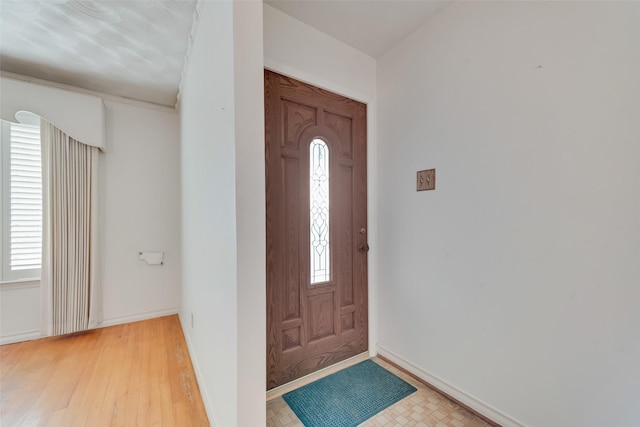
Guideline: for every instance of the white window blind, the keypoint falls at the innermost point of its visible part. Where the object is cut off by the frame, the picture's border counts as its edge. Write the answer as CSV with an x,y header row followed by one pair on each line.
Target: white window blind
x,y
22,202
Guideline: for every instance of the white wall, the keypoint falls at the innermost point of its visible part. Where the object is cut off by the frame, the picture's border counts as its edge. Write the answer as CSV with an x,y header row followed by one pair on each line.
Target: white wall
x,y
300,51
250,211
209,281
139,210
19,311
516,282
223,207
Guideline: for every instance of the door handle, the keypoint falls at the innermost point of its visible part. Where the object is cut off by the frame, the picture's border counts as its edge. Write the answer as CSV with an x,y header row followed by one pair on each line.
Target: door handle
x,y
364,248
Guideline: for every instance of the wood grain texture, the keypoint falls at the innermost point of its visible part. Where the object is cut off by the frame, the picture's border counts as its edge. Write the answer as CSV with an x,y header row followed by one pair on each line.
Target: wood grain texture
x,y
312,326
136,374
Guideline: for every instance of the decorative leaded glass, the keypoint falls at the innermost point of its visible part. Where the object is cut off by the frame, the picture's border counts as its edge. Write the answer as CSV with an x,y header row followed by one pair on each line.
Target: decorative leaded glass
x,y
319,210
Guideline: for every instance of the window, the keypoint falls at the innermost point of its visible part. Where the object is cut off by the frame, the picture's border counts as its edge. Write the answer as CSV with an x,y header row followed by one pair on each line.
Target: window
x,y
21,200
319,209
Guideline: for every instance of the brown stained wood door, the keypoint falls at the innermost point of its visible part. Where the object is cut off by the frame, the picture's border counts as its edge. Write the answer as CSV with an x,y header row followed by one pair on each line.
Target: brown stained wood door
x,y
316,193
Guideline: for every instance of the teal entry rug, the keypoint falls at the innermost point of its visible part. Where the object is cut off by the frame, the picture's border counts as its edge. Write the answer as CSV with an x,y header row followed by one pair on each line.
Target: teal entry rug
x,y
348,397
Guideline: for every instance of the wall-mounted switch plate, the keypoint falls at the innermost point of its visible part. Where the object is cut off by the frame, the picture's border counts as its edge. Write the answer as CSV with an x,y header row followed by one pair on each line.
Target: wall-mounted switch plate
x,y
426,180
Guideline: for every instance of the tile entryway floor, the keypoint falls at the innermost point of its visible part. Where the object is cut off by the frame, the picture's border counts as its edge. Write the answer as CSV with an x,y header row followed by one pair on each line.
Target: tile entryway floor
x,y
424,408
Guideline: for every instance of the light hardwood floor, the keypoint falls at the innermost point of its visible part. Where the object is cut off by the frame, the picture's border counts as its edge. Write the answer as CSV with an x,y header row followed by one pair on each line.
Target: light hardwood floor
x,y
137,374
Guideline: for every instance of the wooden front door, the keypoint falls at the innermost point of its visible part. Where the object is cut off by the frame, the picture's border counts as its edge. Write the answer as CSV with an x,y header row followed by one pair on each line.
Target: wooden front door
x,y
316,195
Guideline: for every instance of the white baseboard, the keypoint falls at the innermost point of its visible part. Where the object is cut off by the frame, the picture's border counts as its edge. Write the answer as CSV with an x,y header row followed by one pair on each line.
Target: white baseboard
x,y
137,317
35,334
22,336
465,398
196,368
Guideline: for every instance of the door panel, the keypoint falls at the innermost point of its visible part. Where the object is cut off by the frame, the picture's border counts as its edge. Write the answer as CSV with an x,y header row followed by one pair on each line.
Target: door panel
x,y
314,325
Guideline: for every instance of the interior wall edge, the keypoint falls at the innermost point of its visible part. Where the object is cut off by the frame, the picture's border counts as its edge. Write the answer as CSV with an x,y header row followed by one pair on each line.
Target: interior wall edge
x,y
206,400
442,385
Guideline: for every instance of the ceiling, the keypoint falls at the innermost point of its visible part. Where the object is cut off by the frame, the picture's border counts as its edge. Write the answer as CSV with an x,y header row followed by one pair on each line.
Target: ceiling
x,y
136,49
371,26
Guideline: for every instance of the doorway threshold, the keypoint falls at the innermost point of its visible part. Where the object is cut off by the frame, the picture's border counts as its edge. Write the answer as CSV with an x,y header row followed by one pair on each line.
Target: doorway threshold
x,y
308,379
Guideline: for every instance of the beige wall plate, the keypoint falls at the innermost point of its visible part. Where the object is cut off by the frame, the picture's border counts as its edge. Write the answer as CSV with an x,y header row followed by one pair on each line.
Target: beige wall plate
x,y
426,180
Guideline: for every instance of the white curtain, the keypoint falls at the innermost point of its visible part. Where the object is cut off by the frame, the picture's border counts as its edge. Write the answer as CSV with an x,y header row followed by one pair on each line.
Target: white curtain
x,y
69,285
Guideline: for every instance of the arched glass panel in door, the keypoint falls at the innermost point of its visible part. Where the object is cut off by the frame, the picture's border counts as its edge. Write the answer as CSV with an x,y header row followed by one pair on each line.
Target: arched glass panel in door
x,y
320,265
